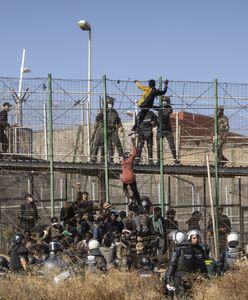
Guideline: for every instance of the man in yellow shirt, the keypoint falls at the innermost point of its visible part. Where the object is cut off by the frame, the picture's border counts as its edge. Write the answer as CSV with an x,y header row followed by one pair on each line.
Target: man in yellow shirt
x,y
147,99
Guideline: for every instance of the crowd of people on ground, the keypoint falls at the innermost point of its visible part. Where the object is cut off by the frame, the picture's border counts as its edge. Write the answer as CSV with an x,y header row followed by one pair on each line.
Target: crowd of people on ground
x,y
97,238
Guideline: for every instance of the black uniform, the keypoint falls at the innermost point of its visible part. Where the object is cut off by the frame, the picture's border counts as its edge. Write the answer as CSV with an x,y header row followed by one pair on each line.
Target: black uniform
x,y
28,216
166,130
186,259
113,124
3,126
228,257
145,133
17,252
96,262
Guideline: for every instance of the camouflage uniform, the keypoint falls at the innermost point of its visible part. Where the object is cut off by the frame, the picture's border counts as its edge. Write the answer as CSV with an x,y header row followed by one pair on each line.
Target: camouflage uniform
x,y
223,129
113,124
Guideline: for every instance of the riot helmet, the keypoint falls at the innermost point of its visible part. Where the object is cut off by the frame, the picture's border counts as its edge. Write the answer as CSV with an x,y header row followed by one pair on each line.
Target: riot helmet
x,y
146,263
233,239
54,246
194,232
17,238
166,100
145,202
179,237
94,244
116,263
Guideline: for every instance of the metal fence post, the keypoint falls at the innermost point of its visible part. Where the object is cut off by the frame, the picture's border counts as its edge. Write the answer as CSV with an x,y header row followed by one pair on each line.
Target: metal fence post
x,y
105,127
161,150
216,163
50,149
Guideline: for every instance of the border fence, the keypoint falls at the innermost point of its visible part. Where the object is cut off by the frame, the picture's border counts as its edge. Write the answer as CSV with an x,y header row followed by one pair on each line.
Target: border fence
x,y
49,149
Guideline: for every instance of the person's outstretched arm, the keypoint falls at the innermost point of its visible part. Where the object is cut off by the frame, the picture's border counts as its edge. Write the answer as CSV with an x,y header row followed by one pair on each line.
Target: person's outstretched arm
x,y
134,149
139,85
161,93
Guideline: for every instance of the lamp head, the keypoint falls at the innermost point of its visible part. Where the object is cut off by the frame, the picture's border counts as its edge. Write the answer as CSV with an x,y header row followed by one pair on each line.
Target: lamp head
x,y
84,25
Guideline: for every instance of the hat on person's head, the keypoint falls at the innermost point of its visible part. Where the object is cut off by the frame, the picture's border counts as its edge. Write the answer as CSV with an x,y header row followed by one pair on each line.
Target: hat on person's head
x,y
166,99
106,205
221,107
85,193
7,104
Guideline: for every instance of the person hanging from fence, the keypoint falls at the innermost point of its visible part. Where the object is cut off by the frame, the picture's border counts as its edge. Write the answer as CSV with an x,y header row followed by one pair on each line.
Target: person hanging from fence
x,y
127,177
223,129
114,124
145,134
4,125
147,99
167,131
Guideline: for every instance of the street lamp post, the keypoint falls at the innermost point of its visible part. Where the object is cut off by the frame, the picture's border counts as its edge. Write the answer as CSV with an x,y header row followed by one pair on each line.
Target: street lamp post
x,y
84,25
23,70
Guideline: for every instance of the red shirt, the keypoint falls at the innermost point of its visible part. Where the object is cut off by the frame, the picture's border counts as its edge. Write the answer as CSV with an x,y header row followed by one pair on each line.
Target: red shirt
x,y
127,175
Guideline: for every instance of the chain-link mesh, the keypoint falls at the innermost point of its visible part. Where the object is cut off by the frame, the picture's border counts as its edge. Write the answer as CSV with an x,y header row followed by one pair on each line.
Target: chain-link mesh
x,y
192,122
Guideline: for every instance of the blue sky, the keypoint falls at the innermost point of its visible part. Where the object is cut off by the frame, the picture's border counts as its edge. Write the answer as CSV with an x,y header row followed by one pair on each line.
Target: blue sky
x,y
177,39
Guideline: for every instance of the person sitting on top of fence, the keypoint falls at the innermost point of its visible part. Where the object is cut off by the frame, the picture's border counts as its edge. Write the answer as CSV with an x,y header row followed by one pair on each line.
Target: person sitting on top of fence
x,y
147,99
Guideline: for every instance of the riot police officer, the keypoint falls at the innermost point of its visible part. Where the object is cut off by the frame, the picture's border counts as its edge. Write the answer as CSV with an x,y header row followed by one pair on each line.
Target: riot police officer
x,y
114,124
146,268
54,262
167,131
142,220
230,254
95,260
187,258
145,134
18,254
